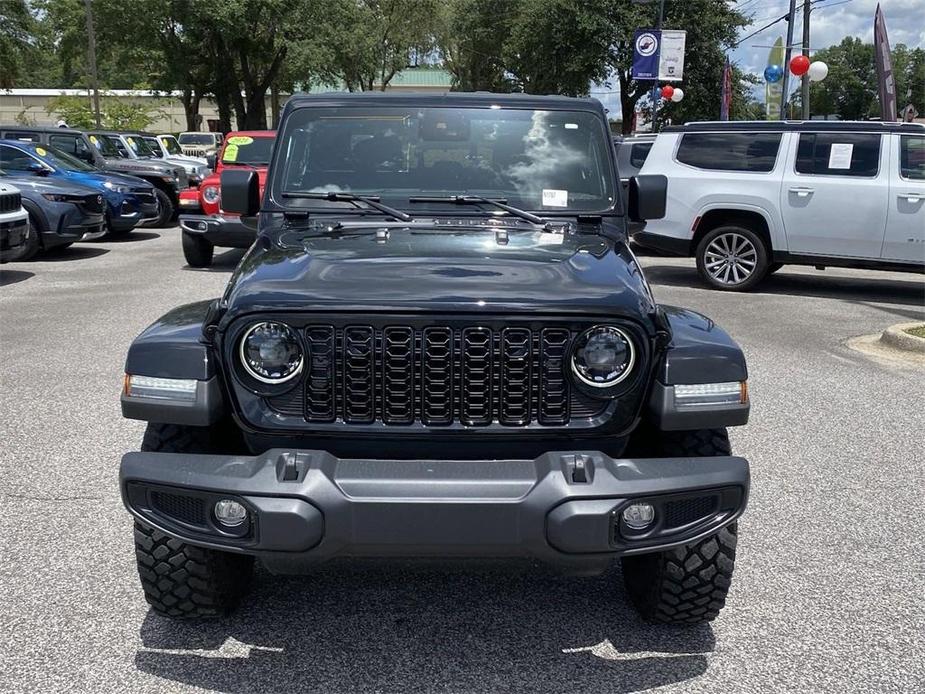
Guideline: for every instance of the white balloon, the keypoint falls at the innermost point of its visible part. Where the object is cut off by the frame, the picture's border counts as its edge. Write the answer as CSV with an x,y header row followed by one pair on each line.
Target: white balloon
x,y
678,94
817,71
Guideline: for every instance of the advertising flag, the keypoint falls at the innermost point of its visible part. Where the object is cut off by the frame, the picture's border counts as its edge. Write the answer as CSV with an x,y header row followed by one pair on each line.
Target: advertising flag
x,y
646,43
774,90
726,100
885,81
671,55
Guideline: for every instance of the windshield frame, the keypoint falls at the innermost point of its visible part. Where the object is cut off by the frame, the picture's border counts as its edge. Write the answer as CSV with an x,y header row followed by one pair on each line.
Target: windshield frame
x,y
58,159
168,142
274,199
210,139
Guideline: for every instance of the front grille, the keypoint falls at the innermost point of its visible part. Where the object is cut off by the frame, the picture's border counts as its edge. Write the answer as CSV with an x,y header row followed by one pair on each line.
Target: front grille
x,y
10,202
438,376
93,203
683,511
181,507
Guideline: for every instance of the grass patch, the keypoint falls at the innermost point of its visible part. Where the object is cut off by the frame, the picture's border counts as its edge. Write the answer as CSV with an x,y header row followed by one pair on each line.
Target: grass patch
x,y
918,331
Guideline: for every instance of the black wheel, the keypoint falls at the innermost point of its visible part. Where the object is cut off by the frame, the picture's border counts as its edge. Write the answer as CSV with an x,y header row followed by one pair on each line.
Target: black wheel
x,y
687,584
732,258
197,251
165,206
33,244
774,267
181,580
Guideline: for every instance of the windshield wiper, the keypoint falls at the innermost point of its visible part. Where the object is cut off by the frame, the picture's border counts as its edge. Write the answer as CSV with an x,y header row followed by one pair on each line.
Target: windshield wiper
x,y
479,200
372,201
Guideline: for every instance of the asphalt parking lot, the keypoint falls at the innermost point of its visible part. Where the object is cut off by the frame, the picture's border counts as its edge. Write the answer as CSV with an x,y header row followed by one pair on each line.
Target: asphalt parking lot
x,y
829,592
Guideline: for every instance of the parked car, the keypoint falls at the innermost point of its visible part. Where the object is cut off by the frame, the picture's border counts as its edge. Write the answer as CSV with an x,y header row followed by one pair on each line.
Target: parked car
x,y
439,345
631,154
747,198
129,200
60,212
104,154
166,148
14,223
196,144
129,153
212,227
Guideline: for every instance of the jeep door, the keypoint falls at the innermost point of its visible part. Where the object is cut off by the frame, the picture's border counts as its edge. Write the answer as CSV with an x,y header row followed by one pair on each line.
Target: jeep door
x,y
834,194
905,222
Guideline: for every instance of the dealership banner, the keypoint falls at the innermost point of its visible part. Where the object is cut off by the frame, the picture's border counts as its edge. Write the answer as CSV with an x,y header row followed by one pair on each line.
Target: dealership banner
x,y
671,55
646,43
886,85
774,90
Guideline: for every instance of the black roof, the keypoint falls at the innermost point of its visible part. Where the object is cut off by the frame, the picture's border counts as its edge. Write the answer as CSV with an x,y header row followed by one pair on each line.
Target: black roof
x,y
854,126
460,99
39,129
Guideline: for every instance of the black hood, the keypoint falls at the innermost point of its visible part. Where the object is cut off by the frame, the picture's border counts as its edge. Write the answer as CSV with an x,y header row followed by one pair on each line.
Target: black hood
x,y
430,268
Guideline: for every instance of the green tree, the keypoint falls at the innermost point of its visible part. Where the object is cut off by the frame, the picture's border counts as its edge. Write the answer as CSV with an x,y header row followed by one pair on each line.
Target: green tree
x,y
471,35
16,39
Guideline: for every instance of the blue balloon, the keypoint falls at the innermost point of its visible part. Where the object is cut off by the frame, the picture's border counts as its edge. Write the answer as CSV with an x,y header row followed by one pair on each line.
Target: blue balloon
x,y
773,73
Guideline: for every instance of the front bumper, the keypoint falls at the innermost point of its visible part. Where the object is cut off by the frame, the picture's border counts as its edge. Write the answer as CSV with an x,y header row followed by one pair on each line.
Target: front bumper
x,y
13,237
227,231
306,506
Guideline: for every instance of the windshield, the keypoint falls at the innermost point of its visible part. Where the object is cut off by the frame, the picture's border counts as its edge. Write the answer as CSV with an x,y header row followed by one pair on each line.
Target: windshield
x,y
139,146
170,144
536,160
107,145
62,160
241,149
153,146
196,139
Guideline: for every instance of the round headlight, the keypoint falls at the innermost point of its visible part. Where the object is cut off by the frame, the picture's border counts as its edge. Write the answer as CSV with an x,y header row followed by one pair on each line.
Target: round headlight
x,y
271,353
603,357
210,194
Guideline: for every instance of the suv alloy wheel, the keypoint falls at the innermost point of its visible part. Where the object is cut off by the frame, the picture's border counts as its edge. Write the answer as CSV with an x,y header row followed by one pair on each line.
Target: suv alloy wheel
x,y
732,258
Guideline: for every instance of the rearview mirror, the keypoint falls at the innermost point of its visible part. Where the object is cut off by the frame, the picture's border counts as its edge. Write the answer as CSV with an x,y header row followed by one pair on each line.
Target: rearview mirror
x,y
241,192
648,195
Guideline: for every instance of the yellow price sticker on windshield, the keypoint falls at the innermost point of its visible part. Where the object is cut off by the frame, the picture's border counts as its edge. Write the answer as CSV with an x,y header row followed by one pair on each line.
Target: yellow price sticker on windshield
x,y
41,151
240,140
93,139
231,153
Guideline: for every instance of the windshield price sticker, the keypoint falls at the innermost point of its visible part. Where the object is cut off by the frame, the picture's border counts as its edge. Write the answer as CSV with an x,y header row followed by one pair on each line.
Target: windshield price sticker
x,y
231,153
840,155
41,151
240,140
555,198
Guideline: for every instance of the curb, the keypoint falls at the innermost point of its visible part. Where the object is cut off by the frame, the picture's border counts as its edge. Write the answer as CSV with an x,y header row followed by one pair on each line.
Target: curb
x,y
897,337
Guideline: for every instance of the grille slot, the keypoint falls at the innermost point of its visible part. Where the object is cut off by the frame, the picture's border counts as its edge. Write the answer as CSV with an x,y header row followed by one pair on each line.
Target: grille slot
x,y
683,511
10,202
181,507
438,376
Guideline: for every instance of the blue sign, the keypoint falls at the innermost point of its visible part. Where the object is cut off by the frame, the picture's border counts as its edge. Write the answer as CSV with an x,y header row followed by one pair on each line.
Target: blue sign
x,y
646,46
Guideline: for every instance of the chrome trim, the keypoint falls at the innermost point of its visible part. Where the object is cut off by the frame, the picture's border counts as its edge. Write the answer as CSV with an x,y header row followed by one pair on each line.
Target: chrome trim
x,y
258,377
626,372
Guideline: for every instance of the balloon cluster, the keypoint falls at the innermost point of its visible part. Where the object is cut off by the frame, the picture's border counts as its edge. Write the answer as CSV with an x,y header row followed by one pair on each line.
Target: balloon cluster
x,y
799,66
670,93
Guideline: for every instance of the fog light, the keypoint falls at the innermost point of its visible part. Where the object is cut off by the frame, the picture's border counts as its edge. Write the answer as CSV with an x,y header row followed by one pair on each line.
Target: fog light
x,y
638,516
229,512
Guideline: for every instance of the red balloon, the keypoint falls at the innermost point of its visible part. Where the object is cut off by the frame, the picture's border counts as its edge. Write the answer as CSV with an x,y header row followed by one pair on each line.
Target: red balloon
x,y
668,90
799,65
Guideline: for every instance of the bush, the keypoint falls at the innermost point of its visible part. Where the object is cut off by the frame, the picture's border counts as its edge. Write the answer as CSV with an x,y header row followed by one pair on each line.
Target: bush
x,y
115,113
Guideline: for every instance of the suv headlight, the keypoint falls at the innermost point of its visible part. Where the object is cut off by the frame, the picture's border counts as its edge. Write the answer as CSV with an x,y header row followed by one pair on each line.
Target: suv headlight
x,y
603,356
271,352
210,194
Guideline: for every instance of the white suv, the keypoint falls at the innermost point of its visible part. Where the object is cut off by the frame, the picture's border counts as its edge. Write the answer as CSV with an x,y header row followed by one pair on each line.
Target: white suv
x,y
14,223
745,198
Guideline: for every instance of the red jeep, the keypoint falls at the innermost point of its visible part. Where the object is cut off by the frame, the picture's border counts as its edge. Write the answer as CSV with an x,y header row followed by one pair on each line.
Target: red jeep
x,y
211,226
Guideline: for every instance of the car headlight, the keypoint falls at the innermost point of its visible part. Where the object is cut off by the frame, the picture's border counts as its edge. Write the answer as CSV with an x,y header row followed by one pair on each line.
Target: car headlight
x,y
603,356
115,187
59,197
210,194
270,352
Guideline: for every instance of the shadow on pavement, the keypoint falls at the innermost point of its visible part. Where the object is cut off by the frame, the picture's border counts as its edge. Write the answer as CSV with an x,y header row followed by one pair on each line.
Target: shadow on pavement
x,y
221,262
832,286
130,237
13,276
404,627
57,255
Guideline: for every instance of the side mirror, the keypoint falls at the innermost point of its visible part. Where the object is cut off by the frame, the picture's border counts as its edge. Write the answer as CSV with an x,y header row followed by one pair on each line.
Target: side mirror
x,y
241,192
210,160
648,195
37,169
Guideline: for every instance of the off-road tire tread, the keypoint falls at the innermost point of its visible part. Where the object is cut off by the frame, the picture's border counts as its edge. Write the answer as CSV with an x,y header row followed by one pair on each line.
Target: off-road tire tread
x,y
167,209
182,581
197,251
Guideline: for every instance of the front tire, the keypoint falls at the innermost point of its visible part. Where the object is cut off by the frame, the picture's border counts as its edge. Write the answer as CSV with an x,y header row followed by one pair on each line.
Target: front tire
x,y
686,584
166,207
732,258
180,580
197,251
33,244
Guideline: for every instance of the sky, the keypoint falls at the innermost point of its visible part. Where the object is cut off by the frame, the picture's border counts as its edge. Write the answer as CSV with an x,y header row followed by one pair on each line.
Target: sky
x,y
830,22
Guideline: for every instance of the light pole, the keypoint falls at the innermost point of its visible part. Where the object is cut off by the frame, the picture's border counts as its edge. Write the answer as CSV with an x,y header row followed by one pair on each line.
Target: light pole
x,y
91,59
789,49
804,85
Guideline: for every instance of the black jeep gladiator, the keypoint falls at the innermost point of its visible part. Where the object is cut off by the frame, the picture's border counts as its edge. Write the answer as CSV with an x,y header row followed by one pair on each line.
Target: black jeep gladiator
x,y
440,345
